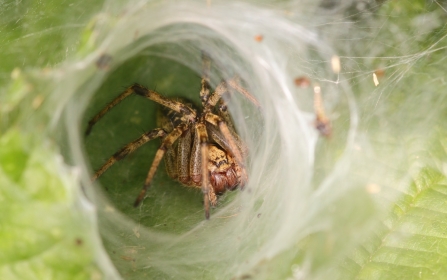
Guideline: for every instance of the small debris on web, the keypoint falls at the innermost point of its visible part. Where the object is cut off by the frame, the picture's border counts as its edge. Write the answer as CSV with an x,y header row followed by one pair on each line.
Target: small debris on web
x,y
322,123
104,61
302,82
376,81
259,38
335,63
378,75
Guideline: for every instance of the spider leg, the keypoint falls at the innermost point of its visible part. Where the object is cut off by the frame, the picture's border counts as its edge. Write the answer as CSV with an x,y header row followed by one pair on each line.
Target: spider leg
x,y
234,83
205,180
188,113
220,123
183,156
109,106
205,89
165,145
216,135
209,101
223,113
222,89
129,148
209,197
219,91
232,142
164,122
179,107
171,163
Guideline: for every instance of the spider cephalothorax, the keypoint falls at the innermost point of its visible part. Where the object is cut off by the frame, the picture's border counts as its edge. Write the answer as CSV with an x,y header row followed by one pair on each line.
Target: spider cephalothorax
x,y
200,146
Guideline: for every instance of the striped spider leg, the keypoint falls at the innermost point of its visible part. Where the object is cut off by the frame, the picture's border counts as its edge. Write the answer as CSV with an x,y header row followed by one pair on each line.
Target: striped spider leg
x,y
189,113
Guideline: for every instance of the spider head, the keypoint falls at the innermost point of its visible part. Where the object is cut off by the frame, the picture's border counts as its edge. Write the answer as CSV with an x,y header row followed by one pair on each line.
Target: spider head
x,y
225,173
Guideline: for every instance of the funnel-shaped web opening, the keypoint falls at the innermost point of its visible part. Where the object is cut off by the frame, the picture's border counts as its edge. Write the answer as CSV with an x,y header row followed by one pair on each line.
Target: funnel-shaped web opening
x,y
167,235
364,203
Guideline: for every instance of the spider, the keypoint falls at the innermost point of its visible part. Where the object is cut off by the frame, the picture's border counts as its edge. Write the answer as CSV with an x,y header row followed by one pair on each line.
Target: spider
x,y
200,145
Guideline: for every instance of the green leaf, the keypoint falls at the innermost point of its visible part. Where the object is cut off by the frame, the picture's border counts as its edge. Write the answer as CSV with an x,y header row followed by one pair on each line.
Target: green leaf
x,y
42,234
411,243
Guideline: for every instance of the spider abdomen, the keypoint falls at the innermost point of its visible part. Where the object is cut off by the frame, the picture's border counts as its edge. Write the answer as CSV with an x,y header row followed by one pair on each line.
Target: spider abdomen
x,y
222,181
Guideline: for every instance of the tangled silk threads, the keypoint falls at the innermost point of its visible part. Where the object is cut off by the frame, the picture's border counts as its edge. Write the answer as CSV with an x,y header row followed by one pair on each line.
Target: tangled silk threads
x,y
268,49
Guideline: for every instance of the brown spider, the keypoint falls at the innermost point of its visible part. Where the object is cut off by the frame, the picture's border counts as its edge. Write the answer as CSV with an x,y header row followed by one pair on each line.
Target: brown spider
x,y
201,146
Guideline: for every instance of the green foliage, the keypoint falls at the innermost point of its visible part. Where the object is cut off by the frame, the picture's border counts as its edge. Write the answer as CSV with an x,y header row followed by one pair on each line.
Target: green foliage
x,y
42,233
409,244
